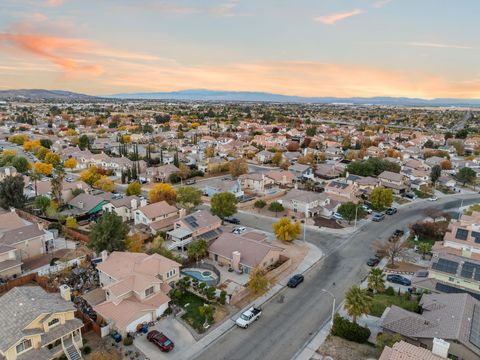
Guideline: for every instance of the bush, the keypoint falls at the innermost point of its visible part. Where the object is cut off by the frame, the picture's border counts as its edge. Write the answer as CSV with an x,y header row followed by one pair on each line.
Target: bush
x,y
390,291
195,173
127,341
87,350
174,178
222,298
53,261
260,204
211,293
349,330
167,311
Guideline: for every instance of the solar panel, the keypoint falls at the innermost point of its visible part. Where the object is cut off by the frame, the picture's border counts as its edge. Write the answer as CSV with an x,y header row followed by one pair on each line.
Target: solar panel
x,y
475,327
476,236
447,289
447,266
462,234
467,270
192,221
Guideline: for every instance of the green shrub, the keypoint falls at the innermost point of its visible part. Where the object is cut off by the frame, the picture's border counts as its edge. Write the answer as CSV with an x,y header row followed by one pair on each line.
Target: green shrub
x,y
87,350
390,291
260,204
168,311
127,341
211,292
349,330
222,298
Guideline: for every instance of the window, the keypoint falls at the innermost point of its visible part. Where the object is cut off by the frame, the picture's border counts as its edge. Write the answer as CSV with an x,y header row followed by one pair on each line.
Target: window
x,y
451,279
149,291
53,322
24,345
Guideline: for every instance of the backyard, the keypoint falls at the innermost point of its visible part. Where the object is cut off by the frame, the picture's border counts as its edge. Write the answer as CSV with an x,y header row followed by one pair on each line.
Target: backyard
x,y
382,301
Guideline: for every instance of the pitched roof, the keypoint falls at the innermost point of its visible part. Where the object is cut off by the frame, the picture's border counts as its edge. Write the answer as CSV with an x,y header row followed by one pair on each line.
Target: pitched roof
x,y
157,209
405,351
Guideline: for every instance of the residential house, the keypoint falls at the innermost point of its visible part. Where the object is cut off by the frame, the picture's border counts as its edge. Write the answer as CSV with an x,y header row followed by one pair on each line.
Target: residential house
x,y
259,183
243,253
7,171
404,351
291,156
393,181
38,325
455,318
136,288
159,216
341,191
281,177
302,172
219,185
308,203
365,184
85,205
264,156
124,207
328,171
44,188
160,174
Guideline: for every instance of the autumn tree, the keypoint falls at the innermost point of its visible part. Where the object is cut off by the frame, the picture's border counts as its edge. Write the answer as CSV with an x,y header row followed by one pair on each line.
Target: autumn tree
x,y
104,183
52,158
238,167
393,249
135,188
71,222
381,198
183,171
70,163
277,158
258,283
162,192
134,243
90,175
285,230
446,165
223,204
43,168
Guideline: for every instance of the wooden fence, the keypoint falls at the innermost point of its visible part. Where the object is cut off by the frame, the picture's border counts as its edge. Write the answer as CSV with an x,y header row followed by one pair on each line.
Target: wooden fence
x,y
76,235
26,279
88,324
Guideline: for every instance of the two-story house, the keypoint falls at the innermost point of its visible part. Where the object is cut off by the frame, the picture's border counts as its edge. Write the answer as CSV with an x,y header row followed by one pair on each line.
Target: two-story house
x,y
38,325
136,287
302,172
393,181
258,182
218,186
341,191
125,206
306,202
157,216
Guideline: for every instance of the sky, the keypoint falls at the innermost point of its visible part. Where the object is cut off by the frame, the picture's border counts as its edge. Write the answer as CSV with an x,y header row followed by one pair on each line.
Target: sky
x,y
343,48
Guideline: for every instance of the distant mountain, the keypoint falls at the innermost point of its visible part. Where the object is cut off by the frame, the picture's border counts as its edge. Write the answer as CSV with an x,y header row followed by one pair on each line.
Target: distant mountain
x,y
41,94
218,95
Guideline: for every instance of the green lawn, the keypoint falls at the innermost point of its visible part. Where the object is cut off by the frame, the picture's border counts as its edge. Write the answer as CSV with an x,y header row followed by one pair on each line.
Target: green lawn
x,y
381,302
192,315
422,195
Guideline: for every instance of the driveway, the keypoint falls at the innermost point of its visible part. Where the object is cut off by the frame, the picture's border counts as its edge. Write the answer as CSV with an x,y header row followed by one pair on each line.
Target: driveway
x,y
176,332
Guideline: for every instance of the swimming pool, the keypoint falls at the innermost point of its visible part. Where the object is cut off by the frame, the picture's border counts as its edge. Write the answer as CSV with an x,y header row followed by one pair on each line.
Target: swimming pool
x,y
203,275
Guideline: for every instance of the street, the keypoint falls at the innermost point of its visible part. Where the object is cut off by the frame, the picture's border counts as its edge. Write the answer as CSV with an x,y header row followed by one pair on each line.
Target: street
x,y
287,325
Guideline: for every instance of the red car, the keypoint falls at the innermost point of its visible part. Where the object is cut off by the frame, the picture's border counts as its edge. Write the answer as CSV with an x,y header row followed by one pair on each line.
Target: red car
x,y
159,339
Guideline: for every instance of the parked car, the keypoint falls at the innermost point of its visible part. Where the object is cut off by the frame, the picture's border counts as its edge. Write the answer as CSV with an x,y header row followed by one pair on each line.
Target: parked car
x,y
232,220
248,316
399,279
190,181
410,196
69,179
433,198
158,338
398,232
378,217
337,216
367,209
239,230
391,211
295,280
373,261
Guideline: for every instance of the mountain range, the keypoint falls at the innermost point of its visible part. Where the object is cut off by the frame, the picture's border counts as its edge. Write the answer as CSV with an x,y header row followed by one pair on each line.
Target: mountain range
x,y
234,96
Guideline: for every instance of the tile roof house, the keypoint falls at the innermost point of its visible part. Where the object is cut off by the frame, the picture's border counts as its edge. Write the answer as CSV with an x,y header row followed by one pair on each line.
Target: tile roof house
x,y
136,287
7,171
454,318
125,206
393,181
301,171
281,177
405,351
38,325
328,171
157,216
242,253
160,173
306,202
264,156
219,185
86,204
258,182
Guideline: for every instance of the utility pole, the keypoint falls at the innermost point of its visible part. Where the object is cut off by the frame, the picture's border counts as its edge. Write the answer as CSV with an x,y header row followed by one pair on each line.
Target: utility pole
x,y
333,305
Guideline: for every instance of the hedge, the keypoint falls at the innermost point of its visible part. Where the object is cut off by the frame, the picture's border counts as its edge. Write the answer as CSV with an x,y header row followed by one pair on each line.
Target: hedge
x,y
349,330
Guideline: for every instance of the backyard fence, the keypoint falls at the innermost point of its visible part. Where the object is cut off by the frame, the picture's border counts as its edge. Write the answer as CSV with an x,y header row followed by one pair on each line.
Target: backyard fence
x,y
26,279
76,235
47,271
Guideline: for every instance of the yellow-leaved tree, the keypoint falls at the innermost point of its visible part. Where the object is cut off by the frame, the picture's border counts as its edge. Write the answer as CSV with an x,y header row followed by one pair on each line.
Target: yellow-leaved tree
x,y
285,230
43,168
70,163
162,191
105,184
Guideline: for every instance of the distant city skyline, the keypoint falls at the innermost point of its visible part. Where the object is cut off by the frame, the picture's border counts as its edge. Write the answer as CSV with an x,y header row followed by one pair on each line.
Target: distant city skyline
x,y
339,48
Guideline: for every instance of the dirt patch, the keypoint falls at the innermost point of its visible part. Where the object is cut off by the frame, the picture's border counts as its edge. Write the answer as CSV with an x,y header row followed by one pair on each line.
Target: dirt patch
x,y
328,223
221,312
341,349
405,267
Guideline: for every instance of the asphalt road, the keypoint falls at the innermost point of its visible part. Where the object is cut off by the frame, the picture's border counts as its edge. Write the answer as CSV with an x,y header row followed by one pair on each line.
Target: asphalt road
x,y
286,326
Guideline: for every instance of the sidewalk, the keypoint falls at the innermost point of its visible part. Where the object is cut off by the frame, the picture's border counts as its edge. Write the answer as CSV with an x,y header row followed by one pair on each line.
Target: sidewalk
x,y
313,256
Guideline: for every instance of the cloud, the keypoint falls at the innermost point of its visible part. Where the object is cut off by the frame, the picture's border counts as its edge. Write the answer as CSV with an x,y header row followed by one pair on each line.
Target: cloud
x,y
54,2
226,9
332,19
381,3
437,45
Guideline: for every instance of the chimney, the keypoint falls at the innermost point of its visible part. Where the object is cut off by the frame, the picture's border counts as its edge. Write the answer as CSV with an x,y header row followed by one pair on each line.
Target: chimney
x,y
80,204
440,347
143,202
236,255
104,255
133,203
65,293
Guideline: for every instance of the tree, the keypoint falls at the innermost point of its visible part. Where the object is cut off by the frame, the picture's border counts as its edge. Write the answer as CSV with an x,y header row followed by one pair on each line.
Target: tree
x,y
376,280
197,249
108,233
238,167
41,203
70,163
223,204
189,196
83,142
162,192
466,175
311,131
277,158
386,339
57,186
104,183
210,152
258,283
260,204
134,243
435,173
11,192
357,302
41,153
446,165
424,248
183,171
135,188
46,143
43,168
393,248
71,222
275,207
381,198
285,230
350,211
52,158
90,175
20,164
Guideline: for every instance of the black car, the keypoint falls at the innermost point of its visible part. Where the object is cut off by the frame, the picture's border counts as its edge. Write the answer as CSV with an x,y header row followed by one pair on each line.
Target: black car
x,y
398,279
232,220
398,232
391,211
373,261
295,280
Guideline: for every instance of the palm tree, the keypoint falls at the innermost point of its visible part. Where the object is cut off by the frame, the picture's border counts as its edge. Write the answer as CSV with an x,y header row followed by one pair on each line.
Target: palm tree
x,y
357,302
35,176
376,280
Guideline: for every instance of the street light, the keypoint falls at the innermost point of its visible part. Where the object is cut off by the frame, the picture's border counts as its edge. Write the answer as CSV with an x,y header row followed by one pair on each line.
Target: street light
x,y
304,222
333,306
355,224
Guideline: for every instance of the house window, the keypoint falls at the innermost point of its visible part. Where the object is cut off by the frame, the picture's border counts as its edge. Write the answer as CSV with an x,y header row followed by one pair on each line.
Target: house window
x,y
149,291
451,279
53,322
24,345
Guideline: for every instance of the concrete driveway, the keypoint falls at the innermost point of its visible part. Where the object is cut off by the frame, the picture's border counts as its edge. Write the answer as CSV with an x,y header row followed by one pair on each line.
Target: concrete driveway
x,y
176,332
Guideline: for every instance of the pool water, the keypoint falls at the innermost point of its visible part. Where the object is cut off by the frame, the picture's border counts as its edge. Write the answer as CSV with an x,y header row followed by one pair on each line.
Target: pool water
x,y
204,276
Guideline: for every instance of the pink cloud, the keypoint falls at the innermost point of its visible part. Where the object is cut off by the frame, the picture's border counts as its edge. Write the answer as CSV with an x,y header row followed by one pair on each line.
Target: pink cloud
x,y
54,2
332,19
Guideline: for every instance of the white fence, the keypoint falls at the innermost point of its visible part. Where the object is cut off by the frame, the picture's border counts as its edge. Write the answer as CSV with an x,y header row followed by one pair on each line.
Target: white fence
x,y
49,270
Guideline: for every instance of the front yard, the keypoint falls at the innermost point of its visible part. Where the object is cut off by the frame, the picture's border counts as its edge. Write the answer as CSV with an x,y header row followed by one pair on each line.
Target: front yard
x,y
335,347
192,304
382,301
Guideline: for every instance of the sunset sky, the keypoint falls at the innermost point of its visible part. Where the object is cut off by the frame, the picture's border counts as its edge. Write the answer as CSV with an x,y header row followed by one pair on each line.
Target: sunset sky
x,y
413,48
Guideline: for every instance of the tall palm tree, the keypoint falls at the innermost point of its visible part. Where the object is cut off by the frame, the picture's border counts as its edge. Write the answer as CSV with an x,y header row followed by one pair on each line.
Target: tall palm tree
x,y
376,280
35,176
357,302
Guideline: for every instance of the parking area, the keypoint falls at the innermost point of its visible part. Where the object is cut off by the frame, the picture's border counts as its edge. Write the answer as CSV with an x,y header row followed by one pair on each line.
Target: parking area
x,y
402,288
176,332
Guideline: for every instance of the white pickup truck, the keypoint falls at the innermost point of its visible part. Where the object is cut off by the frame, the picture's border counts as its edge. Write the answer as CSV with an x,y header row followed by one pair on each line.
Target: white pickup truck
x,y
248,316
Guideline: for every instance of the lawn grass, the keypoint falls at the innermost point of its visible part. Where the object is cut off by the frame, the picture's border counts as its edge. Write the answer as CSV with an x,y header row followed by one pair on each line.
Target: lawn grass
x,y
382,301
192,315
